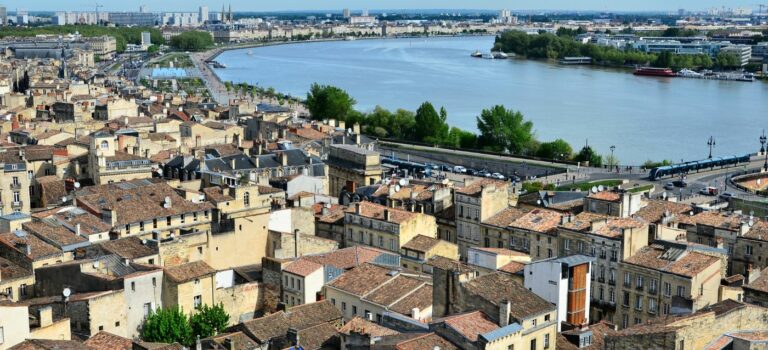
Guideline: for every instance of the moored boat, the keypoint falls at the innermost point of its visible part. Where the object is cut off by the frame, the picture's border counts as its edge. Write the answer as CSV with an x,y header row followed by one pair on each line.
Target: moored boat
x,y
655,72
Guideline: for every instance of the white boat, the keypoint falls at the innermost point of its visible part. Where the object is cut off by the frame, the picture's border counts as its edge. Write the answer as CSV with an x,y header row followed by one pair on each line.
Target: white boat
x,y
687,73
477,54
349,38
250,52
499,55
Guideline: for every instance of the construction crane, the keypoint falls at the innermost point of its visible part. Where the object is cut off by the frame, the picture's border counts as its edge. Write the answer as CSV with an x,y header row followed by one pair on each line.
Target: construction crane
x,y
760,7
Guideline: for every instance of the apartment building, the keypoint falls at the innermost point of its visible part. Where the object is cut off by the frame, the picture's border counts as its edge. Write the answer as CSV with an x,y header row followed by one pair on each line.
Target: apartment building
x,y
377,226
350,166
475,203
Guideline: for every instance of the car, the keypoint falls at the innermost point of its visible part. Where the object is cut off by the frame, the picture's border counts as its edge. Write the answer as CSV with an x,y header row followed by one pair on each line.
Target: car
x,y
459,169
498,176
680,183
709,191
726,195
669,186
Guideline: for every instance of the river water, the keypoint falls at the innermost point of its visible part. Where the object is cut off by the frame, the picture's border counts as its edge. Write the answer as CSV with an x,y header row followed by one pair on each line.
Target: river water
x,y
645,118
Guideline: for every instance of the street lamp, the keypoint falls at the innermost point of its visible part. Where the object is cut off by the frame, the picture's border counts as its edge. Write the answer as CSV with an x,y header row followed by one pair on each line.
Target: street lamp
x,y
613,148
711,144
763,150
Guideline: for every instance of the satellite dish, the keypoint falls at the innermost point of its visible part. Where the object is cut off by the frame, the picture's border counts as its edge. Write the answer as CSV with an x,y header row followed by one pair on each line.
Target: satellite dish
x,y
403,182
64,199
77,184
144,241
160,172
66,292
594,189
96,264
397,188
167,199
600,188
165,205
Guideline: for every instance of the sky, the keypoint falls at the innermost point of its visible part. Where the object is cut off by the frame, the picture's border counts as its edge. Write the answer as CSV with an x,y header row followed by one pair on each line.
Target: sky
x,y
277,5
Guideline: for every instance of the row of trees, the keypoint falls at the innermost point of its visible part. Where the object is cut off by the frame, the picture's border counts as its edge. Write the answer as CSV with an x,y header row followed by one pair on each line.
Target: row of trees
x,y
170,325
123,35
500,129
192,41
551,46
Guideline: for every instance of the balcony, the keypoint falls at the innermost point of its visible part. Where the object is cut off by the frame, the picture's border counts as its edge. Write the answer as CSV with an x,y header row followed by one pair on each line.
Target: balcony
x,y
639,288
18,204
614,259
601,279
627,284
612,282
653,290
15,186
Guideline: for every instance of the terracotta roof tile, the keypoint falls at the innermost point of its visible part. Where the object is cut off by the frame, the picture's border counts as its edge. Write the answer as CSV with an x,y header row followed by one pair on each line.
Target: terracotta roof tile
x,y
376,211
189,271
538,220
499,286
108,341
471,324
689,264
421,243
129,248
363,326
474,188
302,267
505,217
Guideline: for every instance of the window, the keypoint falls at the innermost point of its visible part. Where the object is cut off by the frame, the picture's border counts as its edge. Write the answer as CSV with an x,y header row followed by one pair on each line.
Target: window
x,y
343,306
9,292
667,289
16,180
546,341
247,199
298,284
154,223
614,255
652,306
639,302
680,291
611,295
154,280
666,308
183,216
16,196
117,324
546,318
2,335
533,322
23,290
638,320
654,285
381,241
639,282
749,250
613,276
354,310
625,300
198,300
104,145
682,344
197,281
133,286
168,221
101,328
601,294
627,279
567,244
392,244
625,321
147,309
141,226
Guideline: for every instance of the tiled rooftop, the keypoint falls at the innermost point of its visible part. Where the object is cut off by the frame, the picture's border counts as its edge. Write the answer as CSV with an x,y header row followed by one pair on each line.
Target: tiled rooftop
x,y
471,324
376,211
688,264
188,271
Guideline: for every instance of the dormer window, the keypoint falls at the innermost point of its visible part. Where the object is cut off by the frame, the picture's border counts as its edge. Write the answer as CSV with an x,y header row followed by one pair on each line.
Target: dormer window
x,y
104,145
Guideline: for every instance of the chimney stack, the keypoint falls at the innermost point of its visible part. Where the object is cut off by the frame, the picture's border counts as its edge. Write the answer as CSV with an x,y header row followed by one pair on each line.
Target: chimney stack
x,y
504,307
45,316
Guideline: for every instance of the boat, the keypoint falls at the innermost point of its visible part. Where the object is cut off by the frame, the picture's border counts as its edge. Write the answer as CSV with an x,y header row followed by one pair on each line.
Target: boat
x,y
477,54
655,72
349,38
499,55
250,52
687,73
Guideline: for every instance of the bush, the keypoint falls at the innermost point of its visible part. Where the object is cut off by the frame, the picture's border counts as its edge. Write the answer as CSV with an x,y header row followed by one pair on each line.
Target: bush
x,y
167,326
192,41
208,320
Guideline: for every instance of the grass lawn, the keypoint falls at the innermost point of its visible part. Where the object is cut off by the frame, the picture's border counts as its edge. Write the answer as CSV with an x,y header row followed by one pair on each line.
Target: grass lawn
x,y
586,186
180,60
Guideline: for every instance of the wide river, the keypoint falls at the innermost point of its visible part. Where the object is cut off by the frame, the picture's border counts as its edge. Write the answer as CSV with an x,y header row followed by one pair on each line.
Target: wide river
x,y
645,118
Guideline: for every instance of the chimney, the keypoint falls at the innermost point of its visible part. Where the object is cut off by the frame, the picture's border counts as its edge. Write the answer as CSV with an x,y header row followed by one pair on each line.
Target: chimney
x,y
296,243
293,337
386,214
504,307
357,208
284,158
121,143
415,313
357,139
45,316
565,219
77,230
232,162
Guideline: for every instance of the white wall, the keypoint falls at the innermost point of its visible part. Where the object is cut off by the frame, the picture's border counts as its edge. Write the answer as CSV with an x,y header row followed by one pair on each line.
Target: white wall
x,y
543,278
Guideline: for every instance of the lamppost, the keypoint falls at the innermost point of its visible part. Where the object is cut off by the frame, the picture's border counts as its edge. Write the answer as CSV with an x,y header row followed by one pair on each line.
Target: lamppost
x,y
711,144
763,150
613,148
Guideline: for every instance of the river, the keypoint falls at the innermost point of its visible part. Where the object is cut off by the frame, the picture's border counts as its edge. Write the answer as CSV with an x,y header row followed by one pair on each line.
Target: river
x,y
645,118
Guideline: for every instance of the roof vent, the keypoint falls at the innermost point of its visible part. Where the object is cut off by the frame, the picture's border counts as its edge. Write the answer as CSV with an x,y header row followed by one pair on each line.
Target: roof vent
x,y
393,273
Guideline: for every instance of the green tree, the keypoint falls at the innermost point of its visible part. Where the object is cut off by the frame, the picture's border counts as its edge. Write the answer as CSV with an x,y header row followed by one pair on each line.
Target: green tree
x,y
153,49
430,126
664,60
504,130
558,149
587,154
192,41
207,321
727,60
329,102
167,326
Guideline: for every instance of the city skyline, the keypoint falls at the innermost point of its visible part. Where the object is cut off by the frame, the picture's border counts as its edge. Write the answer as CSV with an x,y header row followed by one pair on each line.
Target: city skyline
x,y
337,5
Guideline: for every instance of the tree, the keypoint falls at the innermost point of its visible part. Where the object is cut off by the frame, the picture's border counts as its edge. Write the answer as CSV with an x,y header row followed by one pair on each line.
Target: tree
x,y
504,130
430,126
558,149
727,60
588,155
329,102
192,41
209,320
167,326
153,49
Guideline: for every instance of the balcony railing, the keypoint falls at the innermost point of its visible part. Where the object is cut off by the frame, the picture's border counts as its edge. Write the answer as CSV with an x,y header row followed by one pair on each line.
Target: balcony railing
x,y
627,284
15,186
18,204
653,290
640,288
612,282
601,279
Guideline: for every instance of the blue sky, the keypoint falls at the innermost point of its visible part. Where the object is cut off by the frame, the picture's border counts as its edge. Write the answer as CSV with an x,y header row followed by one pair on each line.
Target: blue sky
x,y
273,5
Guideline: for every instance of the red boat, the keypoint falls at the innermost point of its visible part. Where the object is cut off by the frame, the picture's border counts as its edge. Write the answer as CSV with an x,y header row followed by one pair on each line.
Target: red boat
x,y
655,72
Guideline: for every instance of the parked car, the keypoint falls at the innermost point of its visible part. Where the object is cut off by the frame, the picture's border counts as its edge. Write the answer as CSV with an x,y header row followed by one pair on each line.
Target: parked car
x,y
726,195
459,169
669,186
680,183
497,176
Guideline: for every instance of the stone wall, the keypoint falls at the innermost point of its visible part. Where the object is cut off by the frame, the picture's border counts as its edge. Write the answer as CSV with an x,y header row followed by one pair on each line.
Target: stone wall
x,y
241,301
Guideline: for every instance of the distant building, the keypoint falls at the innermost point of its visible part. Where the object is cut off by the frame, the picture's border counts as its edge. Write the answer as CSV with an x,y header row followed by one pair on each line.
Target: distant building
x,y
352,166
146,39
346,13
203,14
133,18
3,15
362,20
743,52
